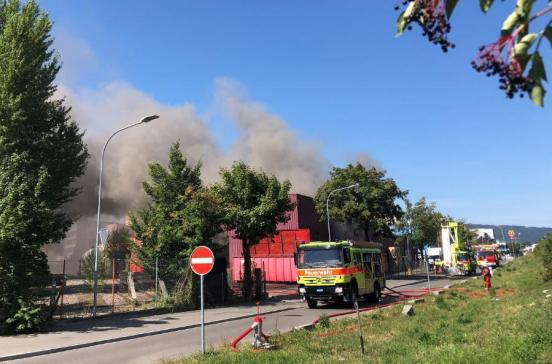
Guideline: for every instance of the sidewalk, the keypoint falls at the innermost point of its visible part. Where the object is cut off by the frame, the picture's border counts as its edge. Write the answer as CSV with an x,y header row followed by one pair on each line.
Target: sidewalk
x,y
83,333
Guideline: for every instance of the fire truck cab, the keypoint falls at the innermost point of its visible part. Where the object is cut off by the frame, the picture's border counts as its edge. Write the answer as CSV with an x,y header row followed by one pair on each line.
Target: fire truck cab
x,y
339,271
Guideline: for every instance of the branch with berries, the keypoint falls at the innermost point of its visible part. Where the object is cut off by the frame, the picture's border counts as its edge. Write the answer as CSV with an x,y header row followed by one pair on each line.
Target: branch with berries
x,y
514,58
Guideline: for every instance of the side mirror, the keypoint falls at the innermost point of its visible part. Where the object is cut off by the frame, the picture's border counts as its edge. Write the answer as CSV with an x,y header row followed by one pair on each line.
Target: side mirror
x,y
295,259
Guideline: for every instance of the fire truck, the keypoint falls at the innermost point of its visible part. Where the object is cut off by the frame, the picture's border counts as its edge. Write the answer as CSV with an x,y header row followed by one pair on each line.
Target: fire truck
x,y
487,256
339,271
457,258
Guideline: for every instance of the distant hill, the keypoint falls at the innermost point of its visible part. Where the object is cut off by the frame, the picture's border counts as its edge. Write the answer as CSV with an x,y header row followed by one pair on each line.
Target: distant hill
x,y
528,233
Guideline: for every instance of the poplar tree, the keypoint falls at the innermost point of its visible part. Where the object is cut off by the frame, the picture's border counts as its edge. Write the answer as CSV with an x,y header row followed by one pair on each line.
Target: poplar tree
x,y
41,154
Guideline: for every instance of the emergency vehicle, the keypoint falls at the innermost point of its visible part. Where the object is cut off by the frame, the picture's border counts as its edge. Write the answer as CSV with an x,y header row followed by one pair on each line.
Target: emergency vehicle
x,y
339,271
487,256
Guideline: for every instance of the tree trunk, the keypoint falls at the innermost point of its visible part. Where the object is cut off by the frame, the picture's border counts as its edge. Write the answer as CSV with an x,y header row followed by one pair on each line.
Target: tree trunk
x,y
247,281
367,232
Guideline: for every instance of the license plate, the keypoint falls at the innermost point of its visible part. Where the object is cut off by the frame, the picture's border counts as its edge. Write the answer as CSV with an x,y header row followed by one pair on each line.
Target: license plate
x,y
319,290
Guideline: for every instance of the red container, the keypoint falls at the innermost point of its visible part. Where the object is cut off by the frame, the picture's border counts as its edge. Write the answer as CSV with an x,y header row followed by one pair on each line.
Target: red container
x,y
274,255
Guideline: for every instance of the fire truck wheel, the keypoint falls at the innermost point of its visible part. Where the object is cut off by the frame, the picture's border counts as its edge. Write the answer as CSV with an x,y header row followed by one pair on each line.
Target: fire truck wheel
x,y
312,303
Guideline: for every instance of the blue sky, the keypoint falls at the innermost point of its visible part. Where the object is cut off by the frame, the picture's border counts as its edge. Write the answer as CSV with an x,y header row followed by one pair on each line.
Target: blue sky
x,y
337,75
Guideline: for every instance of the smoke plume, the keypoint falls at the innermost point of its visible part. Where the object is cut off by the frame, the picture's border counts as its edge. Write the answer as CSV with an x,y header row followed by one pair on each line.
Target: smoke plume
x,y
264,141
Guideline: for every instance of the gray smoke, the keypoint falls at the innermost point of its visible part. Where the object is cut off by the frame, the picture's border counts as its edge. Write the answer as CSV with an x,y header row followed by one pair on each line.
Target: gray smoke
x,y
264,141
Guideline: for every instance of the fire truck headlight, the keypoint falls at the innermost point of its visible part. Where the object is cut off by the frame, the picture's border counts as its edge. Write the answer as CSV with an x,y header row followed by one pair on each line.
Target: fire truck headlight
x,y
338,289
302,290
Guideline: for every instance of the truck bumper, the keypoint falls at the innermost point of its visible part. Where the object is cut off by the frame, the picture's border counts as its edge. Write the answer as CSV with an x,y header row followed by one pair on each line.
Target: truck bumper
x,y
324,293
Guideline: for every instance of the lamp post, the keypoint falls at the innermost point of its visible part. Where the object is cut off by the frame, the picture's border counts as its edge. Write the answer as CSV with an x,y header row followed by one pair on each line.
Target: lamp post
x,y
328,205
143,120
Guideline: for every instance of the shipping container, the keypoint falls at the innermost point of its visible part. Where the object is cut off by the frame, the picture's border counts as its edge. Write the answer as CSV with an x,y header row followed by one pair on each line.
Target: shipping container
x,y
274,255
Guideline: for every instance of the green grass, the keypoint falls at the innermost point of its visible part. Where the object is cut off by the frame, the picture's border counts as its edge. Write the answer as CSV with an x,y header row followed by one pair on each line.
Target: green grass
x,y
512,324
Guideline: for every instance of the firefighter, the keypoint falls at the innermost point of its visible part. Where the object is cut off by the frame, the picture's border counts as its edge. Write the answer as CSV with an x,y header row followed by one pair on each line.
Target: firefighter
x,y
486,273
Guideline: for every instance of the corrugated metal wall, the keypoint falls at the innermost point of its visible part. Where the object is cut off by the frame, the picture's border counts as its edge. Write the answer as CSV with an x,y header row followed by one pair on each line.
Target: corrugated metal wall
x,y
275,255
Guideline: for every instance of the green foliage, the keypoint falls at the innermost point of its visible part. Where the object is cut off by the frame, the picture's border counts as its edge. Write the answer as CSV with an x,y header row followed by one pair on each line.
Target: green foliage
x,y
27,319
485,5
41,155
373,205
324,321
252,203
514,34
181,214
421,222
87,267
544,251
118,241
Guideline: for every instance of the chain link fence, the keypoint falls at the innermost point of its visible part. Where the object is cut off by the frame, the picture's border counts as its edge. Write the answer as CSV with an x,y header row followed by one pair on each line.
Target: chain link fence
x,y
119,288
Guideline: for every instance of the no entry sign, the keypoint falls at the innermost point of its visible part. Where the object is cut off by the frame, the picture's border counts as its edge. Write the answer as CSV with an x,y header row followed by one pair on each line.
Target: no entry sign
x,y
202,260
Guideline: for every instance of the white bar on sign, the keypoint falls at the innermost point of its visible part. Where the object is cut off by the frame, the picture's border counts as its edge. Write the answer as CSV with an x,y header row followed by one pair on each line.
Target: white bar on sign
x,y
202,260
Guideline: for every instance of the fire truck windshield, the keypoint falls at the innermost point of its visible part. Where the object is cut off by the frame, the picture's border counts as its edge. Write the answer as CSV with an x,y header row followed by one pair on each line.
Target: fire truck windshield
x,y
309,258
485,254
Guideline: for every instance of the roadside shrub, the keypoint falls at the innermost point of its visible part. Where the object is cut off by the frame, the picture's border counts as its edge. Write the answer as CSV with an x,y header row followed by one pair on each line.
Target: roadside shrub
x,y
464,318
544,251
28,318
441,303
324,321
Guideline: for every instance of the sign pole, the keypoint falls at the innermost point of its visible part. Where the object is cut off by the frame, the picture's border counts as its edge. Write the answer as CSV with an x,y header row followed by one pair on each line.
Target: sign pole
x,y
202,317
202,260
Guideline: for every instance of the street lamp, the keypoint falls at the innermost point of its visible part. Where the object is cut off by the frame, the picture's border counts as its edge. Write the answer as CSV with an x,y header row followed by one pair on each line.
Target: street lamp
x,y
143,120
328,205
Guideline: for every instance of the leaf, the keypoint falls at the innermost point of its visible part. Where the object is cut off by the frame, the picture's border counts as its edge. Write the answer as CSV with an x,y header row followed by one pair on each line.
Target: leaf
x,y
485,5
523,8
548,34
537,71
401,24
537,94
521,48
451,4
510,23
402,21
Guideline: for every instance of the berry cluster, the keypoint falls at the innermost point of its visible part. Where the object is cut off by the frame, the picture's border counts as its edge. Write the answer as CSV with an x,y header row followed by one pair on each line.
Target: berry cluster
x,y
431,16
491,62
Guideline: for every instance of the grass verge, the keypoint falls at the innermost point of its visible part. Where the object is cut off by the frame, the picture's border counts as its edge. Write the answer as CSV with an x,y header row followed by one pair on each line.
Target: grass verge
x,y
510,324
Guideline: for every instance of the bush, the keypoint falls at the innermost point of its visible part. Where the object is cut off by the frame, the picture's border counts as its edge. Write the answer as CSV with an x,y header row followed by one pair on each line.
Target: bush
x,y
324,321
544,251
28,318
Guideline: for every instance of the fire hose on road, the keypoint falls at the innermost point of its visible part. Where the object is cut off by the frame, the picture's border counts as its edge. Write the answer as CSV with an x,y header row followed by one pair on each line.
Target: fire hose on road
x,y
260,339
402,295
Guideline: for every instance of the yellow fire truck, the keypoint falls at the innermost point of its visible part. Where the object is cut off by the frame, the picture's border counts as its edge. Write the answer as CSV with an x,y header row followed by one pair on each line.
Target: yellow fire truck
x,y
339,271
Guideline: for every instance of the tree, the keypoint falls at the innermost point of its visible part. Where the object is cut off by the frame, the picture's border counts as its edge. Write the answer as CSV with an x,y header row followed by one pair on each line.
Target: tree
x,y
421,223
181,214
252,203
508,57
466,235
544,252
373,204
41,154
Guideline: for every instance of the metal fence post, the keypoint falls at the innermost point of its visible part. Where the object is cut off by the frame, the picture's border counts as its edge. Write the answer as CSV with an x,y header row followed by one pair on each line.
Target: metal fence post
x,y
156,279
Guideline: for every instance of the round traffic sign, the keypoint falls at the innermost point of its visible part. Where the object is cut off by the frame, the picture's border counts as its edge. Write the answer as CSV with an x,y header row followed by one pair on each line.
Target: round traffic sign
x,y
511,234
202,260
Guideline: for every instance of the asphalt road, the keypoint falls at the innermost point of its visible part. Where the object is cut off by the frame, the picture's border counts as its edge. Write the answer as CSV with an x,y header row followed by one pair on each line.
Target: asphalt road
x,y
152,349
